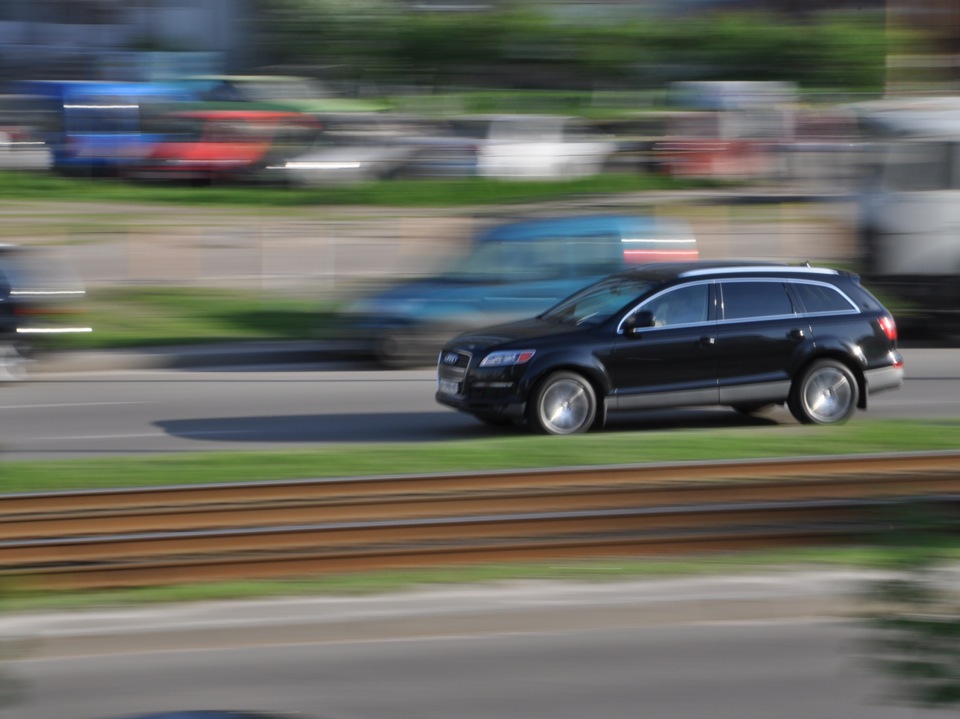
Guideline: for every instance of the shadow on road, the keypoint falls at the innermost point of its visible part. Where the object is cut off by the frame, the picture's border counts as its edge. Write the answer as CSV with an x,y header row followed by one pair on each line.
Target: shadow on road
x,y
424,426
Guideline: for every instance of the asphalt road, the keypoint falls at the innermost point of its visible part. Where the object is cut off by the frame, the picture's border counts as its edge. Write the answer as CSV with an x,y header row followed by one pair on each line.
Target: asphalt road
x,y
795,668
78,414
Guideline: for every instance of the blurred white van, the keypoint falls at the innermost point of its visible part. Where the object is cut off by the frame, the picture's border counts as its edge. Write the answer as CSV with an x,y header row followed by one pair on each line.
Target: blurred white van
x,y
909,221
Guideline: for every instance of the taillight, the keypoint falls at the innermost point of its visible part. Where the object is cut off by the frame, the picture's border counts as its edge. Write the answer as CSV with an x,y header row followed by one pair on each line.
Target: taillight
x,y
889,327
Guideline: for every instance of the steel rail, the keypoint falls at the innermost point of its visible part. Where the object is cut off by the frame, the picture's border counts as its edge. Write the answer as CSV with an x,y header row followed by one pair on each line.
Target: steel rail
x,y
43,515
287,565
50,552
239,530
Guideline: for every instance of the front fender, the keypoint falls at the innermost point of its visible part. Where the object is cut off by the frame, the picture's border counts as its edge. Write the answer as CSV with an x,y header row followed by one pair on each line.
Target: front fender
x,y
585,363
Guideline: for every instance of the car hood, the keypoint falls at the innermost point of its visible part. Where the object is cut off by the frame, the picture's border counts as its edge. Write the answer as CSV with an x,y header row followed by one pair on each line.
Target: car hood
x,y
512,332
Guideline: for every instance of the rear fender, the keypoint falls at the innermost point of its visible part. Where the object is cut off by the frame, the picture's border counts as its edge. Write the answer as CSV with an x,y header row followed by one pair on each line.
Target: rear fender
x,y
837,349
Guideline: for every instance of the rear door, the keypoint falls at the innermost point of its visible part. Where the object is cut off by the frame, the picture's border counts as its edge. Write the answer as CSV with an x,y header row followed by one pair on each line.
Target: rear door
x,y
759,336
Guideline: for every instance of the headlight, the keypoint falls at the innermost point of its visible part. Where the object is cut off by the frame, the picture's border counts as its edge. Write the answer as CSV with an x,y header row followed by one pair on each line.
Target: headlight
x,y
507,358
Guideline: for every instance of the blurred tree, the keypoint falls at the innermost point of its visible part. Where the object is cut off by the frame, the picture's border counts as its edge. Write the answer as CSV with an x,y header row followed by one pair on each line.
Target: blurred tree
x,y
915,616
521,46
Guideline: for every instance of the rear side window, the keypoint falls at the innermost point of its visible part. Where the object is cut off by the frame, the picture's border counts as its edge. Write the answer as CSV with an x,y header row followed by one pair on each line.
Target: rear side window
x,y
755,299
822,298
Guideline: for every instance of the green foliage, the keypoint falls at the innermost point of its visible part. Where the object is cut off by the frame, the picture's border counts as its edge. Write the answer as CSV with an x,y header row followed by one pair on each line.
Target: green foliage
x,y
826,51
388,193
915,619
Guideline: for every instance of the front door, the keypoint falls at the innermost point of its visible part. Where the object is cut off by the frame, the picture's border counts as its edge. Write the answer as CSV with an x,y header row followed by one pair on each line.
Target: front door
x,y
673,362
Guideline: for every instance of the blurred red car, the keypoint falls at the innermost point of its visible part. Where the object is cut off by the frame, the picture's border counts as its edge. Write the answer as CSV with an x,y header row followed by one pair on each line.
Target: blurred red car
x,y
224,145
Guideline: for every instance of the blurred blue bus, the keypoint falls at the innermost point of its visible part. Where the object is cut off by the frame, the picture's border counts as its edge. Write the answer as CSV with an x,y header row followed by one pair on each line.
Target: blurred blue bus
x,y
97,127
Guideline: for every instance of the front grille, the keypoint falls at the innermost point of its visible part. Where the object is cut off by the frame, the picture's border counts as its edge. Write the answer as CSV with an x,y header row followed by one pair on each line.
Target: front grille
x,y
452,365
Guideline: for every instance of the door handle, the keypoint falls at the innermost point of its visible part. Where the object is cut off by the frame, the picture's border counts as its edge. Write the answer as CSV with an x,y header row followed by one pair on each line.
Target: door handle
x,y
708,341
796,334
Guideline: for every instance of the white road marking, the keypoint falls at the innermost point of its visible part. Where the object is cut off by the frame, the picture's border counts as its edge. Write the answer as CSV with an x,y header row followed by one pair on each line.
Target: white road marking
x,y
68,404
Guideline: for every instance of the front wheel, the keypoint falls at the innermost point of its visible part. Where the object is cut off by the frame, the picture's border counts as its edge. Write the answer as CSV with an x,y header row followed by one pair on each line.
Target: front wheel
x,y
563,403
826,393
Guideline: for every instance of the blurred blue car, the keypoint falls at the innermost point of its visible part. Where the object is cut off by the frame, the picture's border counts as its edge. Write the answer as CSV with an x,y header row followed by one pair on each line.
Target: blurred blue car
x,y
512,271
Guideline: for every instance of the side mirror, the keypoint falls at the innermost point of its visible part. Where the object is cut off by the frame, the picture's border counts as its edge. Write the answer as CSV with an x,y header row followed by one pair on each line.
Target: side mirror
x,y
638,321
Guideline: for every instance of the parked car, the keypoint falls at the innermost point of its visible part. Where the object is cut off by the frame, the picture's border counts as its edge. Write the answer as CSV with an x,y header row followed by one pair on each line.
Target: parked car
x,y
681,334
726,129
96,127
515,147
223,145
512,270
354,147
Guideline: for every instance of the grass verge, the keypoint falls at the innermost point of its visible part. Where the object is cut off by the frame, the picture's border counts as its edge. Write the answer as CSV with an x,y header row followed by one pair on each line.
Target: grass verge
x,y
514,451
143,317
369,583
398,193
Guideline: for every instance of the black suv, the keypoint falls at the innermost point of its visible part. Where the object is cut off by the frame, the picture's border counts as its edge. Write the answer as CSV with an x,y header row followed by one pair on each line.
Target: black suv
x,y
681,334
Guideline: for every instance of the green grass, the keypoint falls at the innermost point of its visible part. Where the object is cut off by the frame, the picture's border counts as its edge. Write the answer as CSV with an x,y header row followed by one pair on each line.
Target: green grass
x,y
143,317
513,451
369,583
399,193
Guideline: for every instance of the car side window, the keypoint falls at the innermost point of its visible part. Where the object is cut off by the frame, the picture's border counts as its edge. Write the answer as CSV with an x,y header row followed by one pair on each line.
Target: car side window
x,y
817,298
590,255
750,299
681,306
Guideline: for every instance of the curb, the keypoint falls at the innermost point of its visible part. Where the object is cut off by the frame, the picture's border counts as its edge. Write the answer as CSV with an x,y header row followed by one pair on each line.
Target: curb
x,y
433,612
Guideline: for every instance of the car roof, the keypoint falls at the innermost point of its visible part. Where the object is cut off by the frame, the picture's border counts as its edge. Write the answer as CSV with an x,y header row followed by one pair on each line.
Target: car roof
x,y
668,271
624,225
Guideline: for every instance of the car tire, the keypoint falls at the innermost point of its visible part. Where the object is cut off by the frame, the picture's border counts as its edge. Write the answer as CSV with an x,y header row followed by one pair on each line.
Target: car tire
x,y
826,392
562,403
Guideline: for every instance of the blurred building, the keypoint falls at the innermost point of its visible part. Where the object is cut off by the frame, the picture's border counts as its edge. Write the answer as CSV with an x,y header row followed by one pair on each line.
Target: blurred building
x,y
122,39
936,66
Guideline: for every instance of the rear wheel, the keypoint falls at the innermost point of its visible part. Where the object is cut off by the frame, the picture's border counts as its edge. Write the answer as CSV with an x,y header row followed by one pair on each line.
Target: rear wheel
x,y
825,393
563,403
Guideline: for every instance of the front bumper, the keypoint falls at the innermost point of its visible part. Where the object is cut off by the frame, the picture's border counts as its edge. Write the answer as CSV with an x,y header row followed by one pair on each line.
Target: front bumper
x,y
489,391
509,409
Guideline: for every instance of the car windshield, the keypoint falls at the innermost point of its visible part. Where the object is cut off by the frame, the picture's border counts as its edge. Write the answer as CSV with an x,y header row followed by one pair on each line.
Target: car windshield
x,y
599,302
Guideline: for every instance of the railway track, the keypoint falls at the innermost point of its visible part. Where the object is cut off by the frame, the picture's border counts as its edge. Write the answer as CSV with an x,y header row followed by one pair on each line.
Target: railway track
x,y
167,535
